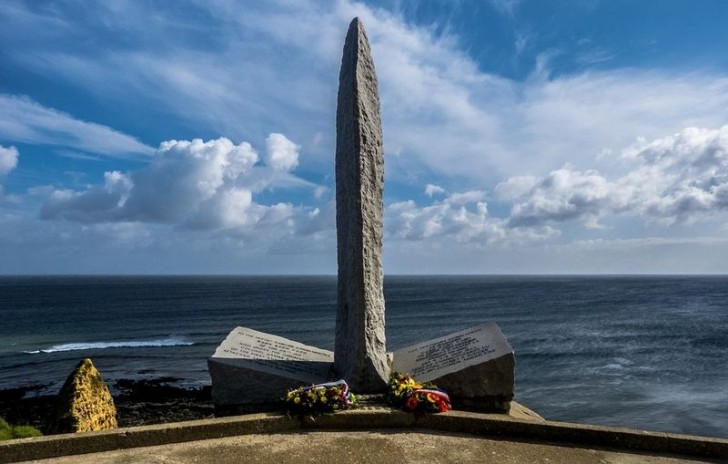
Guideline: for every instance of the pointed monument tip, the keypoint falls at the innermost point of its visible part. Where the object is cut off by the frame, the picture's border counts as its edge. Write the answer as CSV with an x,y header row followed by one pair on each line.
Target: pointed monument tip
x,y
354,35
356,24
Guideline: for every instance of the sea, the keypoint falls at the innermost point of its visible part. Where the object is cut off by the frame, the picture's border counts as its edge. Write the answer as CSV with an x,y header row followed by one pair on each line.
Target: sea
x,y
647,352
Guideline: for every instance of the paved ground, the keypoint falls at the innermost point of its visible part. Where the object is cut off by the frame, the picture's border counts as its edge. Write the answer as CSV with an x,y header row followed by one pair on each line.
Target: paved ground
x,y
375,447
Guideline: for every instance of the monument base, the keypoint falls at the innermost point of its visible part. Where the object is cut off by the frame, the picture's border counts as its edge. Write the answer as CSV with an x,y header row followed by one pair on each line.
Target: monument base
x,y
484,404
224,410
236,390
485,387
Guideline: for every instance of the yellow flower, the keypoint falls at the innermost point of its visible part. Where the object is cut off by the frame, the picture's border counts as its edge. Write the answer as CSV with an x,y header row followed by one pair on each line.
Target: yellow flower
x,y
297,400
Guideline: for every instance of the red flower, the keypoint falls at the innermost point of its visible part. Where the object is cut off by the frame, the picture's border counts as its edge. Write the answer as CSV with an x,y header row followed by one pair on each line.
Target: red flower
x,y
411,403
443,406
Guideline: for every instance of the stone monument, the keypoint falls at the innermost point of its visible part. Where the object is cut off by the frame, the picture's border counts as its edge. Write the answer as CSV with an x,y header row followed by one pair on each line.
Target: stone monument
x,y
251,370
360,355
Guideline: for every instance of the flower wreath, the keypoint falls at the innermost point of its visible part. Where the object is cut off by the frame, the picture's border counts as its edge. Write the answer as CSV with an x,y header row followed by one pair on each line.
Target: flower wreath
x,y
318,399
406,393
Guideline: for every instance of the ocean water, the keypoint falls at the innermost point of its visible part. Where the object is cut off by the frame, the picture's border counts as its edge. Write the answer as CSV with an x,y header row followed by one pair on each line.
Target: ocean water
x,y
643,352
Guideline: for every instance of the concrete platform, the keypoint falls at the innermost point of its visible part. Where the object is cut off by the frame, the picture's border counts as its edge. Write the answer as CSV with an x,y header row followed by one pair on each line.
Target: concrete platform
x,y
372,435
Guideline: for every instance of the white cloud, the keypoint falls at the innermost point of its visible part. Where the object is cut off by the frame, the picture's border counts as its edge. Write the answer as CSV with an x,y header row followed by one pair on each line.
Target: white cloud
x,y
192,184
127,233
8,162
282,154
462,217
506,7
676,179
562,195
682,177
23,120
431,189
8,159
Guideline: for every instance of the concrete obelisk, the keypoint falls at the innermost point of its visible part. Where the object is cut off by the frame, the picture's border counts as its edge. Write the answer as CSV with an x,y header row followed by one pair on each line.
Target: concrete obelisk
x,y
359,353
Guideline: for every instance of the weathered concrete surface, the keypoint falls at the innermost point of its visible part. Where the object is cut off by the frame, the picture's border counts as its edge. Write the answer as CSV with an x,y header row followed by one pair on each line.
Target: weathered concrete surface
x,y
359,354
371,447
252,370
457,436
84,403
521,412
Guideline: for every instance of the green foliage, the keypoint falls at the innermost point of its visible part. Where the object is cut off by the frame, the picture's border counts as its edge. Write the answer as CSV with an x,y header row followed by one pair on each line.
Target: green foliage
x,y
8,432
25,431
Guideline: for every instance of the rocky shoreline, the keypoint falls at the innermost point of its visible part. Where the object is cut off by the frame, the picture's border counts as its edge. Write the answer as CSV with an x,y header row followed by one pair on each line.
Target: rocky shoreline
x,y
138,402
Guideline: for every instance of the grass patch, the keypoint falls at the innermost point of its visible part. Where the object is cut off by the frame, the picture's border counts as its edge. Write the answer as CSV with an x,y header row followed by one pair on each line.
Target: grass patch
x,y
8,432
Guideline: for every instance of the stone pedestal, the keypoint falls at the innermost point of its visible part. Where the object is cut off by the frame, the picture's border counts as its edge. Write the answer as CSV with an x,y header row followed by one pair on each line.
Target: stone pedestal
x,y
475,366
252,370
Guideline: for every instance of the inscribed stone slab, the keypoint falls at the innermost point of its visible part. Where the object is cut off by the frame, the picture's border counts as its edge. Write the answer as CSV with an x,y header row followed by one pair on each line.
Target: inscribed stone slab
x,y
252,367
476,366
274,355
441,356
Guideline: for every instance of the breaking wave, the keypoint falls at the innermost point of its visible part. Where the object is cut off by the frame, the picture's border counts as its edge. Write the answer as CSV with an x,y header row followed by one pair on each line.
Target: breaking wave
x,y
118,344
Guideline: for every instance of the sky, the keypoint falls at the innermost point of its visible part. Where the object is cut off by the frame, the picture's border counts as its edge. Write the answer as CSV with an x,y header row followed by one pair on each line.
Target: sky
x,y
520,136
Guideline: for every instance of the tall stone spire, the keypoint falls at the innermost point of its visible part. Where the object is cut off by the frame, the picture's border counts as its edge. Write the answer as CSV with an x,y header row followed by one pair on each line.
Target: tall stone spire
x,y
359,353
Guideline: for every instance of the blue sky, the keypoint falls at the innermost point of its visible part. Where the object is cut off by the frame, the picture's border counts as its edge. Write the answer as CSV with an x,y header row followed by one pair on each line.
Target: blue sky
x,y
196,137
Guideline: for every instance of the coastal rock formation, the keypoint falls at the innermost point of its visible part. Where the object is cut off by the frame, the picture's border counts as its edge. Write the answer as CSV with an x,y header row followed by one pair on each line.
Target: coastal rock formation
x,y
84,403
359,353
